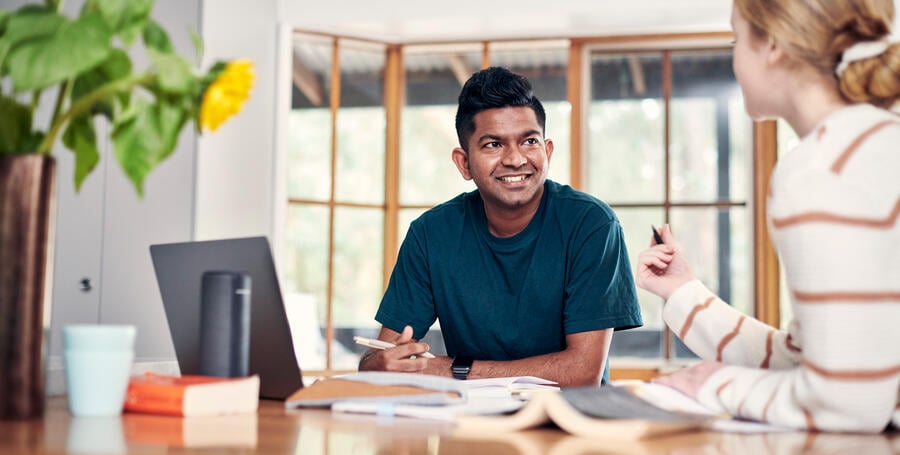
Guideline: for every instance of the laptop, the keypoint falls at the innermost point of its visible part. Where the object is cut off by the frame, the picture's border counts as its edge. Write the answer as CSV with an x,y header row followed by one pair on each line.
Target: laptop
x,y
179,268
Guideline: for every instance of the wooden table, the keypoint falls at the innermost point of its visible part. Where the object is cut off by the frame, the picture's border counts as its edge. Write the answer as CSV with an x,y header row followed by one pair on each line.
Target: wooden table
x,y
314,431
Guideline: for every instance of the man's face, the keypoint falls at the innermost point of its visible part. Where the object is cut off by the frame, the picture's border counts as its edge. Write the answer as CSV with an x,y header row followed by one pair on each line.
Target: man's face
x,y
507,158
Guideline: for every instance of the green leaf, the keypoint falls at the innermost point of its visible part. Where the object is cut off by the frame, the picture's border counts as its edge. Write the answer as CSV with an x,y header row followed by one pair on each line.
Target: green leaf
x,y
125,18
135,19
77,46
81,139
54,4
32,22
198,46
156,38
27,23
15,126
117,66
145,137
113,12
175,73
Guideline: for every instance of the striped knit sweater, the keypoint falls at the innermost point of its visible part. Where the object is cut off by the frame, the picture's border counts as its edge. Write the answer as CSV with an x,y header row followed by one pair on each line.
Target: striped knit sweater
x,y
834,215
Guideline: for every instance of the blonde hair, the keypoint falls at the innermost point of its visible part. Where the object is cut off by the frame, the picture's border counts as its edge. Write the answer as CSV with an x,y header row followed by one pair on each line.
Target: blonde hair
x,y
819,31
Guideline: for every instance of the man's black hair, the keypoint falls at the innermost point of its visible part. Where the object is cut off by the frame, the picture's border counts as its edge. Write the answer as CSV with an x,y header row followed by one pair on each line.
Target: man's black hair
x,y
492,88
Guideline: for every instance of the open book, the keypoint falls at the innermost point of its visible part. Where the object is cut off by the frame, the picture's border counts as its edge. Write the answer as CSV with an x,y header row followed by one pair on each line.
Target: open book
x,y
609,412
379,387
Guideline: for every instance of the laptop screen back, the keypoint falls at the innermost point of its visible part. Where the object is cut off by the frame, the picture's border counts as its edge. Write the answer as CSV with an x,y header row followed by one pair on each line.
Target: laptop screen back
x,y
179,268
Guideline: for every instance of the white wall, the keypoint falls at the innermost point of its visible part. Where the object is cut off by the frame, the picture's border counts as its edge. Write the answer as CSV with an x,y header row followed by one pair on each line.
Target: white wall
x,y
235,164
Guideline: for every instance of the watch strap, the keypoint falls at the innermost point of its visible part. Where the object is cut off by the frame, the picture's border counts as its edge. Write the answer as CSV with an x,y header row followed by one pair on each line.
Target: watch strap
x,y
461,367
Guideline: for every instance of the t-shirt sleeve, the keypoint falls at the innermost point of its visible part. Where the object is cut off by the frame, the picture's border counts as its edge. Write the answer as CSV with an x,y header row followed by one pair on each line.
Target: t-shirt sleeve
x,y
600,293
408,299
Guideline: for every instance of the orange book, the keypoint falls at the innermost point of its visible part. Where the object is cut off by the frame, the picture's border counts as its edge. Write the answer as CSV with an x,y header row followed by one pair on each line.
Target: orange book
x,y
192,395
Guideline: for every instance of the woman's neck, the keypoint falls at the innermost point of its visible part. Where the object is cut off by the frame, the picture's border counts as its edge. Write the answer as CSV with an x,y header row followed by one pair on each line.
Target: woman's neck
x,y
810,100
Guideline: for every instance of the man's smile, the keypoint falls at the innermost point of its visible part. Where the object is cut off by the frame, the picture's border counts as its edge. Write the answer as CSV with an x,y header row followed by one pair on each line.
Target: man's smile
x,y
511,179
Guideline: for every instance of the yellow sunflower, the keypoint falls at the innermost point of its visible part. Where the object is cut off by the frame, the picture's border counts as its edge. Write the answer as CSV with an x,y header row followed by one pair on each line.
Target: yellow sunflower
x,y
226,94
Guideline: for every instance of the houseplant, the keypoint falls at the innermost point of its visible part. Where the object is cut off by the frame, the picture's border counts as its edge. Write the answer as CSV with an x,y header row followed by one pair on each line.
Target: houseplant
x,y
84,66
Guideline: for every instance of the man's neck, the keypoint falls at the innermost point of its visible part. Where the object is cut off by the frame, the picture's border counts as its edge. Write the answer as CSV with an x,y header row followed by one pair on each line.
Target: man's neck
x,y
505,223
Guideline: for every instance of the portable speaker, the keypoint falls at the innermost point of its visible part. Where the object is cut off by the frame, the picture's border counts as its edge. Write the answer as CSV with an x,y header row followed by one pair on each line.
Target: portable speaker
x,y
224,324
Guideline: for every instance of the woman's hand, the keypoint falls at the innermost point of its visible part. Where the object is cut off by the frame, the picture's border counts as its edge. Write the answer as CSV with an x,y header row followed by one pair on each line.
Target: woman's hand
x,y
689,380
663,268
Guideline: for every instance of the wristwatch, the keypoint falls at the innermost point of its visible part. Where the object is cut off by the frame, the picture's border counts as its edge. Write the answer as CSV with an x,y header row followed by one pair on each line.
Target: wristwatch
x,y
461,367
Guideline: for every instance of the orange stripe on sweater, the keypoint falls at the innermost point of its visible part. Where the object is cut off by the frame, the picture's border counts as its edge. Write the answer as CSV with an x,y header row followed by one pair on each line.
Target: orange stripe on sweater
x,y
765,362
810,422
722,387
853,375
727,338
847,297
690,318
839,164
790,344
832,218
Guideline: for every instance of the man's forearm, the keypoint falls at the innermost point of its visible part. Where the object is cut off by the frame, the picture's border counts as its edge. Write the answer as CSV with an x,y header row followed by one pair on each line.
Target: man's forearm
x,y
566,368
581,363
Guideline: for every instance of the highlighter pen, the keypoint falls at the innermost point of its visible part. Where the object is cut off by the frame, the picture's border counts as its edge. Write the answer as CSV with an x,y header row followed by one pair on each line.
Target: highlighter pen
x,y
656,236
379,344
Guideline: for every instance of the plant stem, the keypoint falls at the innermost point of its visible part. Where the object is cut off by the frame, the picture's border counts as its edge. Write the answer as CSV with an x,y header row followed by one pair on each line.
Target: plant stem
x,y
86,102
64,90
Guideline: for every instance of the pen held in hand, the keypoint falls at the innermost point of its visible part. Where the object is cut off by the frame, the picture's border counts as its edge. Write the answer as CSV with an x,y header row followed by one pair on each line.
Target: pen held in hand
x,y
379,344
656,237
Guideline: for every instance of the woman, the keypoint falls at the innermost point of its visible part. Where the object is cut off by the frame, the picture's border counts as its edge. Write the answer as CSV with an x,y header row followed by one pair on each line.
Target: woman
x,y
827,68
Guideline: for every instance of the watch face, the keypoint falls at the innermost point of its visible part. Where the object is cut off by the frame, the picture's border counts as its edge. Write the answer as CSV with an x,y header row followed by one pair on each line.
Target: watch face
x,y
461,367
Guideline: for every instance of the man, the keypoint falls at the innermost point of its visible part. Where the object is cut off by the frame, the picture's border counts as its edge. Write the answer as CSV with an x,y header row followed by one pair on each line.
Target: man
x,y
527,277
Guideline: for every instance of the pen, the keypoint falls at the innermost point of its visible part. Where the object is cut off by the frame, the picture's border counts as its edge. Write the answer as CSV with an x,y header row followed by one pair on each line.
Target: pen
x,y
378,344
656,236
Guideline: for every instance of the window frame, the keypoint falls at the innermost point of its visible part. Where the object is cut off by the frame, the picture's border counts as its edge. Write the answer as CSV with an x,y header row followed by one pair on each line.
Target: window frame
x,y
765,263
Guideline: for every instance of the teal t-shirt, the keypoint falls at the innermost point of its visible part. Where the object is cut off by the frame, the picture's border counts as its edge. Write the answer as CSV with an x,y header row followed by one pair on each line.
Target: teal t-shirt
x,y
510,298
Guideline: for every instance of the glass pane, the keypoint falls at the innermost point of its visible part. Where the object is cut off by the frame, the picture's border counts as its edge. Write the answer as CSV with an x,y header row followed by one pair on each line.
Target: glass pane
x,y
703,120
544,63
309,130
741,130
625,148
309,154
427,174
361,125
636,224
306,280
434,77
358,243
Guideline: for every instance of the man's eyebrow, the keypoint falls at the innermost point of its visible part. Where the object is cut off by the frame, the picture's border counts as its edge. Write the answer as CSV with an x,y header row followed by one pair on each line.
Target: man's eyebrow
x,y
496,137
489,136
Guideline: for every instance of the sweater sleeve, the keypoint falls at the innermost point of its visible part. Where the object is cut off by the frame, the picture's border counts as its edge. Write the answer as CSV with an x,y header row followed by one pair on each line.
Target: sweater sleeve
x,y
715,330
847,381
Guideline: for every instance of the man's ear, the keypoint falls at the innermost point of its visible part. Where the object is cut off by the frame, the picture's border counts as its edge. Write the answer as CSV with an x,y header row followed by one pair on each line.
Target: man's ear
x,y
461,158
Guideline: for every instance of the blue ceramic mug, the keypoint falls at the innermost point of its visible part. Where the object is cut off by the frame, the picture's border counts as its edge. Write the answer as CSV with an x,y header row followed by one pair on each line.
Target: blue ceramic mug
x,y
98,361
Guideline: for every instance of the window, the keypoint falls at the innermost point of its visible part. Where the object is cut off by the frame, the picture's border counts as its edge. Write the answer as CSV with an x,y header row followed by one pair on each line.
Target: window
x,y
659,134
668,141
335,219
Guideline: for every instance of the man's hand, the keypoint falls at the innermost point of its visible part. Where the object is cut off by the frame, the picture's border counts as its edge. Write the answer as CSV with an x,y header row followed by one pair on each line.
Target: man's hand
x,y
663,268
689,380
404,357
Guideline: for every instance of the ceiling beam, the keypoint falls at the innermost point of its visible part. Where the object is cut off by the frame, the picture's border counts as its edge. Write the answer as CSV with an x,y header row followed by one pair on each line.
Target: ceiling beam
x,y
461,70
307,83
